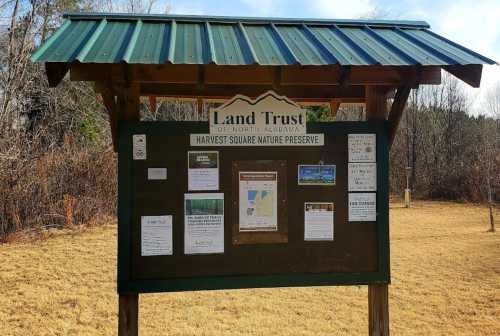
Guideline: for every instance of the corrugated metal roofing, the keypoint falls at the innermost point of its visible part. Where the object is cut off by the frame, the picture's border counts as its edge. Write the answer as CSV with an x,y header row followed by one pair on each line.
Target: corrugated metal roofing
x,y
180,39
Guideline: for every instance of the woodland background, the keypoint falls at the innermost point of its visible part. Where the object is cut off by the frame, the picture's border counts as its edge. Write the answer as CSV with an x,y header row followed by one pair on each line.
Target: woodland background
x,y
58,168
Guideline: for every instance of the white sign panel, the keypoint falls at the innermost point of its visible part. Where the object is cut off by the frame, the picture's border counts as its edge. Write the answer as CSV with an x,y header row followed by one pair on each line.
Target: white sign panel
x,y
257,140
156,235
362,147
203,223
157,173
362,207
362,177
203,170
269,113
258,194
318,221
139,146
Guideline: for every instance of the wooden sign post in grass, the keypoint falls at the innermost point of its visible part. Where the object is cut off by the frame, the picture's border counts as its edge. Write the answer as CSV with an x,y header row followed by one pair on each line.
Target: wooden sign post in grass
x,y
256,196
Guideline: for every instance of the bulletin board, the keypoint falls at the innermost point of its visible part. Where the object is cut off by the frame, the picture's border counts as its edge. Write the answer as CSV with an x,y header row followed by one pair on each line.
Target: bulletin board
x,y
356,251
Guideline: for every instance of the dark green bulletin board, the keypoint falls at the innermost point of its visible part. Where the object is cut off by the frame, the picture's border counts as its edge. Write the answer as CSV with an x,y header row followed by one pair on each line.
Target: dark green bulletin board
x,y
359,253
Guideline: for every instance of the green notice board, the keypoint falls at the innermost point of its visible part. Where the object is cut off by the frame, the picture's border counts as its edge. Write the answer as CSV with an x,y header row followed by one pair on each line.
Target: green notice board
x,y
304,188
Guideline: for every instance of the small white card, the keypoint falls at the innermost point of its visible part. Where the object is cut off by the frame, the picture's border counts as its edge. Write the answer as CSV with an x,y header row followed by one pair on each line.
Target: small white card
x,y
157,173
362,147
362,177
139,146
156,235
362,207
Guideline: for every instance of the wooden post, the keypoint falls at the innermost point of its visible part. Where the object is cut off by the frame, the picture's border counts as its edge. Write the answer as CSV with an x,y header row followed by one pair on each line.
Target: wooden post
x,y
199,107
128,315
334,107
378,295
128,105
378,310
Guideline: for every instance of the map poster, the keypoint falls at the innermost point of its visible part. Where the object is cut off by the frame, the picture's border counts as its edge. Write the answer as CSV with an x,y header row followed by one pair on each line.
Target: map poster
x,y
362,207
203,170
362,147
258,208
318,221
203,223
316,175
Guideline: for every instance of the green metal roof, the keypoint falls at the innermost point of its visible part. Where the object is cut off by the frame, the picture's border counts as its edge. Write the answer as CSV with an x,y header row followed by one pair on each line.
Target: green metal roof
x,y
182,39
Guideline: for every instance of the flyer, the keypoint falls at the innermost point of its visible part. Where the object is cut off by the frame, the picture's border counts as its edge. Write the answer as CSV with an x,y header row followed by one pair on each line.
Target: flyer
x,y
203,170
258,208
156,235
139,146
362,207
316,175
318,221
203,223
362,177
362,147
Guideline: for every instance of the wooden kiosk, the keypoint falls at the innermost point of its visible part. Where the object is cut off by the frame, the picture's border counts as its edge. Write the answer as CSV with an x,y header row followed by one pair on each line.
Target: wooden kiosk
x,y
325,185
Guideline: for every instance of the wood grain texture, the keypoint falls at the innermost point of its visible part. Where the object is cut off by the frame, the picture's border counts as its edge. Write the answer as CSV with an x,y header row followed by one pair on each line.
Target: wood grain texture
x,y
378,310
128,315
378,295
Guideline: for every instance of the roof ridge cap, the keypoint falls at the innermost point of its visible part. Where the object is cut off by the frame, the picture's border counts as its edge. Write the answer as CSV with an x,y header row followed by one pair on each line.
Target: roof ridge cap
x,y
235,19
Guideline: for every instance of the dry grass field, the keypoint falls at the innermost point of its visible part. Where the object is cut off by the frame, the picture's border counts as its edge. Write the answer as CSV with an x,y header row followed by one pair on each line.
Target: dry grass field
x,y
445,281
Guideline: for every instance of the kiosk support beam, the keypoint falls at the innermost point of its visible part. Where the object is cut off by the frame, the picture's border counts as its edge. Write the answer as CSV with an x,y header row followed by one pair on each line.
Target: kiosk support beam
x,y
128,101
378,310
128,315
378,295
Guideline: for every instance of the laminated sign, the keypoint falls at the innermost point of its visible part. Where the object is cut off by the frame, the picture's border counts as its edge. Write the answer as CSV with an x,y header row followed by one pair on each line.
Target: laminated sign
x,y
139,146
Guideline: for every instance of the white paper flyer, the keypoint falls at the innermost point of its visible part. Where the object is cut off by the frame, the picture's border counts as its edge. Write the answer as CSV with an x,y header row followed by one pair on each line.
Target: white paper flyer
x,y
362,147
203,170
362,207
362,177
203,223
318,221
156,235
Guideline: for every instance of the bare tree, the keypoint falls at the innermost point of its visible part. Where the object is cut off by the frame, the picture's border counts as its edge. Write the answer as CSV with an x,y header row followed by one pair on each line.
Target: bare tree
x,y
491,141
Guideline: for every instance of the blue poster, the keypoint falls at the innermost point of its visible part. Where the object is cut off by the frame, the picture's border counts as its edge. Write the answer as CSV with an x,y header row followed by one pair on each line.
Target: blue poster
x,y
316,175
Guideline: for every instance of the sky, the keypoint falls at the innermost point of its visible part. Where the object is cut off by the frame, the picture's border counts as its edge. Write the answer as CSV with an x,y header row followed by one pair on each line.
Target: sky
x,y
472,23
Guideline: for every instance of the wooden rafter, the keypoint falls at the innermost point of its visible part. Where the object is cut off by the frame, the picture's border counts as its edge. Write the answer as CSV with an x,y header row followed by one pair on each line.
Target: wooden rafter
x,y
470,73
108,98
55,73
334,107
301,93
291,75
152,104
397,108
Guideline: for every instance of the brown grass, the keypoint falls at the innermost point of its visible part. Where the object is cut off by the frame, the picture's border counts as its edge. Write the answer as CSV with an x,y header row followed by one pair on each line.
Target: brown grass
x,y
445,281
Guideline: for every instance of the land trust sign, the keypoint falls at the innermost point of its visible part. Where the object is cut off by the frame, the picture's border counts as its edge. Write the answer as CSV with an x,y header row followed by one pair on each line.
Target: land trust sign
x,y
269,120
268,114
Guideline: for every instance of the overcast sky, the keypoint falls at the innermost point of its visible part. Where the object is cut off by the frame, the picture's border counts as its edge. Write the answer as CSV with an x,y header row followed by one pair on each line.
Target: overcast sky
x,y
472,23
